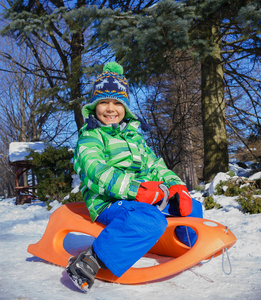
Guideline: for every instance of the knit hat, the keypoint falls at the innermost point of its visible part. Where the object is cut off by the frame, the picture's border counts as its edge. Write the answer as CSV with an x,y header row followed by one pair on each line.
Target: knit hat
x,y
111,84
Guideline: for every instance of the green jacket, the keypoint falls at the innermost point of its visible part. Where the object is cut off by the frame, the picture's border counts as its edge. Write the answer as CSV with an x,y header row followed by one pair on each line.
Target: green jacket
x,y
112,162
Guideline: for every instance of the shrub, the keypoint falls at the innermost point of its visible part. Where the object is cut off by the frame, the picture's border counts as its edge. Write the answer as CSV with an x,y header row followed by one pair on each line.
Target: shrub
x,y
219,188
53,169
74,197
258,185
200,188
209,203
246,190
231,173
232,189
250,204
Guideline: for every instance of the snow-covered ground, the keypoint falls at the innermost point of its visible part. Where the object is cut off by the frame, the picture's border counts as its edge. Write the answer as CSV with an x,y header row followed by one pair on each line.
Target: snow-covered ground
x,y
24,276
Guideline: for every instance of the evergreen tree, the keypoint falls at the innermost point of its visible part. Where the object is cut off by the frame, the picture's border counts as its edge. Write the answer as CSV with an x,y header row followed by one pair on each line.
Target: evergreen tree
x,y
64,28
221,35
53,169
144,36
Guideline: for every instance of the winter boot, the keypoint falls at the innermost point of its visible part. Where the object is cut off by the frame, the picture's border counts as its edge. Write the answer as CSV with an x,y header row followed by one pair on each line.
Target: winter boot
x,y
83,268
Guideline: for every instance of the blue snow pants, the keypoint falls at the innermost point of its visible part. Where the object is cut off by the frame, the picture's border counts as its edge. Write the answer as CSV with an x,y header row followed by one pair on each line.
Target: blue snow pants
x,y
132,229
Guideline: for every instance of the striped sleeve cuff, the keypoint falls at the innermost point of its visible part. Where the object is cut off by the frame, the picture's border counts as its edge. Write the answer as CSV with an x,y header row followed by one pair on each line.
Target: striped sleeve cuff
x,y
133,190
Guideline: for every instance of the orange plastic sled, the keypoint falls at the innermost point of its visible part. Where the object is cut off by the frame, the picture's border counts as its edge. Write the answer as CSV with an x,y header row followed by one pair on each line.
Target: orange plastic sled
x,y
212,237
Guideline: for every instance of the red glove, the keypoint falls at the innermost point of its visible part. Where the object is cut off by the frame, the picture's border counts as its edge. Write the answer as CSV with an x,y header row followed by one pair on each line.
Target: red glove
x,y
150,192
179,195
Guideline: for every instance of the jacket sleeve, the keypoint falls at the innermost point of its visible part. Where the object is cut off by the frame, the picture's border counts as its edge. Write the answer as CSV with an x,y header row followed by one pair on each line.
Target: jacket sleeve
x,y
90,165
162,173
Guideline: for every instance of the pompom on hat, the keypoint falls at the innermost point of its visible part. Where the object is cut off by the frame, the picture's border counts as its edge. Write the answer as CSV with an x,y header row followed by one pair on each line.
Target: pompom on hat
x,y
111,84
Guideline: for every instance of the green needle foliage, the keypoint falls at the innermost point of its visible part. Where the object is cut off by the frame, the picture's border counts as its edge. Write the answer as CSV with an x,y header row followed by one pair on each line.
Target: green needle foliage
x,y
248,192
53,169
209,203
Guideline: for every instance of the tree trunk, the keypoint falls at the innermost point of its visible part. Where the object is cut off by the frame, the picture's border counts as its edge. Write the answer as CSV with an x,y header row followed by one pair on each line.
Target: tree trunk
x,y
187,161
77,47
75,76
189,169
213,112
22,110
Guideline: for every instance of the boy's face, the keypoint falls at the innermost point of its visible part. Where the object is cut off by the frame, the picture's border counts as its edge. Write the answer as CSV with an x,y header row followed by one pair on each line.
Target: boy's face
x,y
110,111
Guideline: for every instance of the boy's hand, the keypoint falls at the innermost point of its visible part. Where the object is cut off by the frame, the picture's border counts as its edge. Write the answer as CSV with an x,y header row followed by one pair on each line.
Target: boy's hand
x,y
179,195
150,192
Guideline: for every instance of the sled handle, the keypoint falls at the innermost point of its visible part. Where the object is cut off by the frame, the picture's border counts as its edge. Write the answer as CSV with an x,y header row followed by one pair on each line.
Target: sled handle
x,y
165,200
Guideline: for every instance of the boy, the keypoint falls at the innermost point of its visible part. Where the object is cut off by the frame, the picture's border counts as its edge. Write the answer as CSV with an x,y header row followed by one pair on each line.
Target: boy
x,y
121,182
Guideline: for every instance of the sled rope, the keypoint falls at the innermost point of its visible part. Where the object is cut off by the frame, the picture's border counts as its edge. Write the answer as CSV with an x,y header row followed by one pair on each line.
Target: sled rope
x,y
223,261
188,236
229,263
224,250
207,261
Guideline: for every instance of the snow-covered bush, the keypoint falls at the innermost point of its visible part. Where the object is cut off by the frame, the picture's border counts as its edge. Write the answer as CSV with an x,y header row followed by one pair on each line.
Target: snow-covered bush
x,y
247,190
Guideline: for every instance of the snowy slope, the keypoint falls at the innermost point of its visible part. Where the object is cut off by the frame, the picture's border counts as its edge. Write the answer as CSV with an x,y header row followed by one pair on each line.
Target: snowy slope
x,y
23,276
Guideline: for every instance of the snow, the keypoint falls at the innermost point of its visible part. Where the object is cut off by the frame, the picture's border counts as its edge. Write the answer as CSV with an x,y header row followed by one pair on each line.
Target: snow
x,y
19,150
24,276
255,176
217,179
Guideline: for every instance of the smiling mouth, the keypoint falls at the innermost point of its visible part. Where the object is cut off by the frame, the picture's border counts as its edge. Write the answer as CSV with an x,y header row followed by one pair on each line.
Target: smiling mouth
x,y
111,117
